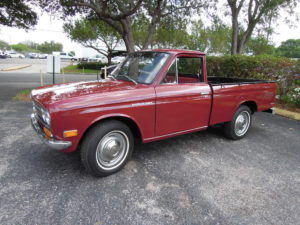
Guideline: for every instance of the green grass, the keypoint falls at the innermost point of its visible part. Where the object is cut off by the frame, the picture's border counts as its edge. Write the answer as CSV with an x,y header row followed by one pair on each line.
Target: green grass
x,y
74,69
23,95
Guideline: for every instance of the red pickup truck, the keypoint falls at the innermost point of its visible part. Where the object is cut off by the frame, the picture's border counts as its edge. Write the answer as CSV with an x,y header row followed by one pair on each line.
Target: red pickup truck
x,y
151,95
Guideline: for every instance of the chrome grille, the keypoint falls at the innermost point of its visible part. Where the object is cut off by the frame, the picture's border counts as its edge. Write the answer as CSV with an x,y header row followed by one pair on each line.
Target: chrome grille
x,y
38,111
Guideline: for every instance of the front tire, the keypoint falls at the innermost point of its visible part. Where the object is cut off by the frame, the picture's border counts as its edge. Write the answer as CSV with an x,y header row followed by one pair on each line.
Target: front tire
x,y
106,148
240,124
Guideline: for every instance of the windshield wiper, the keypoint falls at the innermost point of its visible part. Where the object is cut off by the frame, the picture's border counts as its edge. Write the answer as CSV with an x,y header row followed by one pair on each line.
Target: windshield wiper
x,y
128,77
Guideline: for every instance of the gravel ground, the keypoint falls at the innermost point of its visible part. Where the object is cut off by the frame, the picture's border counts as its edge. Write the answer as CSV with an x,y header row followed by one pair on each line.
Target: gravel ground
x,y
199,178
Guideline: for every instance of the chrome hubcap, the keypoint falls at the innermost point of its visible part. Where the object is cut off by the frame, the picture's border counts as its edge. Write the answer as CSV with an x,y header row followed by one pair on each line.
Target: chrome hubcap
x,y
112,150
242,123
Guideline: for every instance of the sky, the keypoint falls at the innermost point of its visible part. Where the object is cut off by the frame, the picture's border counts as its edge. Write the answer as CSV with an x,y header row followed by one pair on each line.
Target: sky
x,y
50,28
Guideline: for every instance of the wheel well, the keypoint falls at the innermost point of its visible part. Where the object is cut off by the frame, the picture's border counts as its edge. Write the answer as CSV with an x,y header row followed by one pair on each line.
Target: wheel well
x,y
129,122
252,105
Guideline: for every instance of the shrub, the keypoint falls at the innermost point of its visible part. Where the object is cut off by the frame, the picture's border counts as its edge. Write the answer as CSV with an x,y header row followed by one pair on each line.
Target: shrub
x,y
279,69
91,65
291,98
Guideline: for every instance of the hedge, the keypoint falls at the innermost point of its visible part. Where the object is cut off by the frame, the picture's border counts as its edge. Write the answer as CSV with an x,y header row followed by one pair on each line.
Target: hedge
x,y
91,65
282,70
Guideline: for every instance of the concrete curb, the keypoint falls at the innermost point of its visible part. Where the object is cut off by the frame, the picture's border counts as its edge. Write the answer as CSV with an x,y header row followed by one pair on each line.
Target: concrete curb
x,y
286,113
16,68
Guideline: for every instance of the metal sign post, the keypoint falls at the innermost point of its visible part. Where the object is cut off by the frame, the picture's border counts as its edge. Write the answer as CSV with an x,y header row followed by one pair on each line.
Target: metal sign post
x,y
53,71
53,65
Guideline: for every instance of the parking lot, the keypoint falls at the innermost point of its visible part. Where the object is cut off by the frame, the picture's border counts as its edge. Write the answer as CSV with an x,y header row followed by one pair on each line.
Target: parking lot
x,y
36,65
199,178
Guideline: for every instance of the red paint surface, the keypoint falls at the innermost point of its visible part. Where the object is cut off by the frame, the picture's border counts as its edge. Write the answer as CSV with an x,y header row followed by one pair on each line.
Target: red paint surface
x,y
159,110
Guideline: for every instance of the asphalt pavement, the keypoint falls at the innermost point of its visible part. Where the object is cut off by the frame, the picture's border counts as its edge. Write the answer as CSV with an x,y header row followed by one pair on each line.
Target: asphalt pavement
x,y
35,65
199,178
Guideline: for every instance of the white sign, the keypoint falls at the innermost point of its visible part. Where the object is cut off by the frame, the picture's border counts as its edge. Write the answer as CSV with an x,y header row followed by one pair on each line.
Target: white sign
x,y
53,61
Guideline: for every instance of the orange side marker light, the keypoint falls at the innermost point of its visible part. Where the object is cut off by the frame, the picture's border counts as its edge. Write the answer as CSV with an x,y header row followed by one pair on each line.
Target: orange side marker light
x,y
70,133
47,132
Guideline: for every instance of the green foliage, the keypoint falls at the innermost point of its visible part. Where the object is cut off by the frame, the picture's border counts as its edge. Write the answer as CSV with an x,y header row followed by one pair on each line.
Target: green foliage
x,y
289,48
260,46
281,70
212,39
171,33
17,13
4,45
49,47
72,53
140,30
199,37
20,47
291,98
94,33
31,45
91,65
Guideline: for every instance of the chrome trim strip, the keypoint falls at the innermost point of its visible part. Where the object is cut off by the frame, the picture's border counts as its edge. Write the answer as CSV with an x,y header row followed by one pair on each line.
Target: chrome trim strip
x,y
142,104
54,144
179,132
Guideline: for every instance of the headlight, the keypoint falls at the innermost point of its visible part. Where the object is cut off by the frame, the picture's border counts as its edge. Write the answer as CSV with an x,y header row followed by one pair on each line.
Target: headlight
x,y
46,117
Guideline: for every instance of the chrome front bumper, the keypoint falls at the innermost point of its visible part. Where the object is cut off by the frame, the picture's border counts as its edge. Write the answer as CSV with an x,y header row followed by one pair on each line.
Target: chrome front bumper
x,y
55,144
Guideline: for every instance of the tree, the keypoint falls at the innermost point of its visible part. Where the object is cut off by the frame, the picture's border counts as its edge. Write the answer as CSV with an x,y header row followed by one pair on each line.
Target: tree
x,y
247,14
171,33
4,45
199,37
219,38
17,13
120,14
32,45
259,46
213,39
72,53
49,47
289,48
20,47
94,33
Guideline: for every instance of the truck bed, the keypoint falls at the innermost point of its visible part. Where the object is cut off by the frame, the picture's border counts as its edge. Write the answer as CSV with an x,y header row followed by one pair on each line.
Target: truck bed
x,y
228,80
229,93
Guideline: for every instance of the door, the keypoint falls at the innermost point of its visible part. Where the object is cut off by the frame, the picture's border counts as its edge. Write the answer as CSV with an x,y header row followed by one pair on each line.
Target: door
x,y
183,100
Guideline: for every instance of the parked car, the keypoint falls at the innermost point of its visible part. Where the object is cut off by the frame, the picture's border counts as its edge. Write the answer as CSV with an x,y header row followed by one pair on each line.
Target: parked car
x,y
101,59
32,55
152,95
65,56
42,56
16,55
92,59
117,59
3,55
84,59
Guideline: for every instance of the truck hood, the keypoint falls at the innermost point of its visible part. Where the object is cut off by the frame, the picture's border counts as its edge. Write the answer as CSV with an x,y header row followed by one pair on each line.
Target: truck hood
x,y
50,94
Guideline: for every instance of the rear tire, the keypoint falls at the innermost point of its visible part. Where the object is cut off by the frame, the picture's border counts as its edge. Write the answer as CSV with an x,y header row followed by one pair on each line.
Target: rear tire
x,y
106,148
240,124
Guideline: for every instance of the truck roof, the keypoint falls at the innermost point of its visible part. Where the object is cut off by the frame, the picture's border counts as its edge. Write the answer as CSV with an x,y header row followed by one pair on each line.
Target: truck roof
x,y
174,51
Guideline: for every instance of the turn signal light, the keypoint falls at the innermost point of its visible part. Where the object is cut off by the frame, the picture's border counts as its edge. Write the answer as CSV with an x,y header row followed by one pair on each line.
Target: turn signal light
x,y
47,132
70,133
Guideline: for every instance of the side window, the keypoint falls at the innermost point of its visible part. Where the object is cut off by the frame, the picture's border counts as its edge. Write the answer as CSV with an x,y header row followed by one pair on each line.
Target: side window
x,y
188,70
170,77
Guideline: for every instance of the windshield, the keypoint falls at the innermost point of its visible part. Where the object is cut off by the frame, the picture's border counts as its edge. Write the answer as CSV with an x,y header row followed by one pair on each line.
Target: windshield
x,y
140,67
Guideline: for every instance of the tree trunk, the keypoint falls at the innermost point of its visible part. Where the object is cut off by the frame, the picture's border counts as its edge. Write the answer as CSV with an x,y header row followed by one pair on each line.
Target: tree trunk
x,y
235,33
127,35
151,30
109,59
245,38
